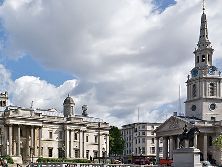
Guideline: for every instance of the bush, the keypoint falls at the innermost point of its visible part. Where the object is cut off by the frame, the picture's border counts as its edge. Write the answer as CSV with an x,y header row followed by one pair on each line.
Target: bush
x,y
46,160
8,158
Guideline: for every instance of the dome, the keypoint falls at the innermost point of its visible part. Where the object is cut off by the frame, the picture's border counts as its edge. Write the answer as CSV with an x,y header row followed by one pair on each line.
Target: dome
x,y
68,100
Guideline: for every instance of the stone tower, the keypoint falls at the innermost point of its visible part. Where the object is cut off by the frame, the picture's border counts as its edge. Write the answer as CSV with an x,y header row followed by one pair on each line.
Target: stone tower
x,y
68,107
3,99
204,99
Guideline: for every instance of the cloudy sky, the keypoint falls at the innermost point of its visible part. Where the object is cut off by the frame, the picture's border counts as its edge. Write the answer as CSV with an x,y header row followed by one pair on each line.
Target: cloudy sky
x,y
116,56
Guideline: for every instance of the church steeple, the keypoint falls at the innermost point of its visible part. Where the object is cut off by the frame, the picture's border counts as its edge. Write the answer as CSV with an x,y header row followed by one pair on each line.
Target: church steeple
x,y
204,52
204,93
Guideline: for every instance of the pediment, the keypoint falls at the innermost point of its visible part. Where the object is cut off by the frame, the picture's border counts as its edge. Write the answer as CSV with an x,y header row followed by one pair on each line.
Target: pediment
x,y
173,124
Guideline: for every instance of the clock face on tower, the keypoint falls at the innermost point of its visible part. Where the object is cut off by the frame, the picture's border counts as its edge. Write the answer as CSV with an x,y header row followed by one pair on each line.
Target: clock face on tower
x,y
212,106
211,70
194,72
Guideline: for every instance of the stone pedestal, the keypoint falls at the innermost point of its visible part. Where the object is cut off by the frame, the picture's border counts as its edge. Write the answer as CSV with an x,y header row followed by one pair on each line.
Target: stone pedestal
x,y
186,157
17,159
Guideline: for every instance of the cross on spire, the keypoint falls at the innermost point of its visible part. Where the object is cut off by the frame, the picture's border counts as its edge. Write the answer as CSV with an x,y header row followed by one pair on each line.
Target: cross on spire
x,y
203,6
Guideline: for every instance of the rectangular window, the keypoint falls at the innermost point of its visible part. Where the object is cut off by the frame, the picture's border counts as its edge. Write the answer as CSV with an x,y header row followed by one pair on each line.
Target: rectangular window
x,y
95,154
143,126
161,150
143,150
96,139
87,154
197,59
139,140
136,150
143,133
152,150
143,140
50,134
213,119
76,153
76,136
50,151
87,138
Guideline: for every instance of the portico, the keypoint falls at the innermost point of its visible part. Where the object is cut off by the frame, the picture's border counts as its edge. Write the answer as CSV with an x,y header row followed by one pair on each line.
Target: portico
x,y
202,141
22,141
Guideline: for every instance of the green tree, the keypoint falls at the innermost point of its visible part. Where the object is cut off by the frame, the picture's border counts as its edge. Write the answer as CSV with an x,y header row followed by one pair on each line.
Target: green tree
x,y
218,141
116,142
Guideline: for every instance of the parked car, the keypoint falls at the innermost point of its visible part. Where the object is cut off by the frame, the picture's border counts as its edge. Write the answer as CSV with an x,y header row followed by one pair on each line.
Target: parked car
x,y
207,164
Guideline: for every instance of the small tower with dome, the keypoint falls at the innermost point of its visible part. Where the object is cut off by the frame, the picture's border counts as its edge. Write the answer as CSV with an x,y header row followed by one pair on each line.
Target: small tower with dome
x,y
68,107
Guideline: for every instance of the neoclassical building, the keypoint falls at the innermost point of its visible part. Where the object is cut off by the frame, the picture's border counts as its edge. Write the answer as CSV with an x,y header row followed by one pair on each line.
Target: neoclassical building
x,y
27,133
140,139
203,106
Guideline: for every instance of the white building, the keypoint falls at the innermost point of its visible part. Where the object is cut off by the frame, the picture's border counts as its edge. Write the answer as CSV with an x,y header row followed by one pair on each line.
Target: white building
x,y
203,107
140,139
27,133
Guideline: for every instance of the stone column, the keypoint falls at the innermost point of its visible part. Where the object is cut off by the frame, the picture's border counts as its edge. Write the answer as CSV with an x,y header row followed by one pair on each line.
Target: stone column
x,y
32,141
157,151
80,144
6,140
40,141
71,144
83,145
27,141
171,148
18,141
205,147
165,148
10,140
195,140
66,143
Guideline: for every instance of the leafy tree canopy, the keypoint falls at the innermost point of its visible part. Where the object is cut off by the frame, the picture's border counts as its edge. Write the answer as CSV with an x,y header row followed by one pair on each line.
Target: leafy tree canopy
x,y
116,142
218,142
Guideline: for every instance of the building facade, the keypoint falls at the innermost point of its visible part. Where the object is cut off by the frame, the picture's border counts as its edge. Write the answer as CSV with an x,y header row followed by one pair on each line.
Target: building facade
x,y
203,107
27,133
140,139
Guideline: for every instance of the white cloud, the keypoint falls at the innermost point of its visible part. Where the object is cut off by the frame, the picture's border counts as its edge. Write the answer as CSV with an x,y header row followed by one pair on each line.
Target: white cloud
x,y
125,54
44,95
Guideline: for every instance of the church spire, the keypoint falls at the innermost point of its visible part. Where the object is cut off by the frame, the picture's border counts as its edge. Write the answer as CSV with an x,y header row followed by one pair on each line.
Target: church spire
x,y
203,39
204,52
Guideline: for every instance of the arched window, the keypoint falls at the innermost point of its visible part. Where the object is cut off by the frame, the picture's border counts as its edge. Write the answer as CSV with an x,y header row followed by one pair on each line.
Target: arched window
x,y
194,90
212,89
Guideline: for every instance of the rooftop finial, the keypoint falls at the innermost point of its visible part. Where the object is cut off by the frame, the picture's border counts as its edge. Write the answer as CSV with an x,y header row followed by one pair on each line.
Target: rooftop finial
x,y
203,6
